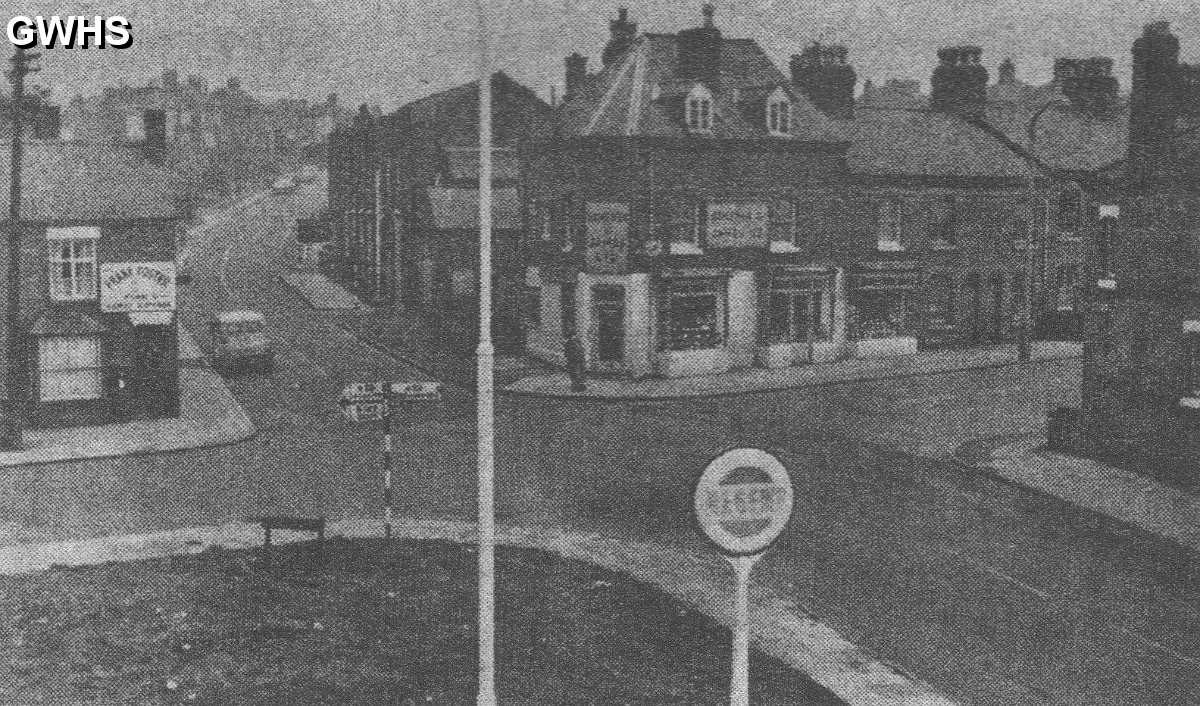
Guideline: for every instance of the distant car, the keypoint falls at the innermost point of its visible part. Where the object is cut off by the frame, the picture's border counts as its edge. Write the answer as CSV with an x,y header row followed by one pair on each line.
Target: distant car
x,y
308,174
283,185
239,342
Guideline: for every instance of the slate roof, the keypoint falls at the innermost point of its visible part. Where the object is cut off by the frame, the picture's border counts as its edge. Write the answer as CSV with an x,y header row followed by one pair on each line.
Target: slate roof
x,y
905,142
1066,138
641,94
456,209
80,182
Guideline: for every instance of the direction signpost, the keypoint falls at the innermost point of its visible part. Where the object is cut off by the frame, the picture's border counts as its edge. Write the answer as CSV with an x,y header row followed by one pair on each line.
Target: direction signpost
x,y
378,401
743,501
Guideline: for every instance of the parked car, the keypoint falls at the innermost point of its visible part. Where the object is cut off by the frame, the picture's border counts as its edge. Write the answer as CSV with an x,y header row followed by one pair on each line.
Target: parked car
x,y
283,185
239,342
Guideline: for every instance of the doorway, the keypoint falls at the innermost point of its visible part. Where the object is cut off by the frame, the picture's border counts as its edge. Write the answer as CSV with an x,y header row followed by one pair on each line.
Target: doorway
x,y
608,303
152,382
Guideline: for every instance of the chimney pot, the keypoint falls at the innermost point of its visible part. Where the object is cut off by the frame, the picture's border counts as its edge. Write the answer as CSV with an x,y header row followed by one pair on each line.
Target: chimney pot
x,y
960,82
823,75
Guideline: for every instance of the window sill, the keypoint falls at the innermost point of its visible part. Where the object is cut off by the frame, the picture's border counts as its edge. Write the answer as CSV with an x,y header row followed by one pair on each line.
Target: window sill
x,y
1189,402
783,247
1108,283
889,247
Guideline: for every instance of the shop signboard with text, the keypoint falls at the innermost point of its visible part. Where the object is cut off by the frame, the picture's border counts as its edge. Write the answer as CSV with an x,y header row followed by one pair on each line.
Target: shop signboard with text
x,y
129,287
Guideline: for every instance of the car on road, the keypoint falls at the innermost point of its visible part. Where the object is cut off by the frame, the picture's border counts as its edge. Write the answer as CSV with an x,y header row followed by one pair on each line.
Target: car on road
x,y
239,342
308,174
283,185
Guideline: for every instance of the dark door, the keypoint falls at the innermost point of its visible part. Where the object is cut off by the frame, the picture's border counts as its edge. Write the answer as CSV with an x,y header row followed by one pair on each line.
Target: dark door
x,y
151,383
609,304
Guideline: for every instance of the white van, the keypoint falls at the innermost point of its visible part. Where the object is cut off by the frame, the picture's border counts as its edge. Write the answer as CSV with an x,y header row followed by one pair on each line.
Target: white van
x,y
239,341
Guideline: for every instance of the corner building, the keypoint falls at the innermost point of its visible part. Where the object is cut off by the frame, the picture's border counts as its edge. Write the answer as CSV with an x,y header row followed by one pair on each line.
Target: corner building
x,y
697,212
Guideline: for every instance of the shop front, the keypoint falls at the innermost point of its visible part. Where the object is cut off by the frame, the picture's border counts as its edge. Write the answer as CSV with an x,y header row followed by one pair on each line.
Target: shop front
x,y
801,321
881,299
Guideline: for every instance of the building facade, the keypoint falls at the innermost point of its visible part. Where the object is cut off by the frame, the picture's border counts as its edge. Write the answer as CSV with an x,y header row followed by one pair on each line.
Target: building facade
x,y
697,211
98,236
1141,377
403,205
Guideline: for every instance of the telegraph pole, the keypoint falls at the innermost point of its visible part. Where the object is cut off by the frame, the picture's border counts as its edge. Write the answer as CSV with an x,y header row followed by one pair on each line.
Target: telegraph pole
x,y
14,418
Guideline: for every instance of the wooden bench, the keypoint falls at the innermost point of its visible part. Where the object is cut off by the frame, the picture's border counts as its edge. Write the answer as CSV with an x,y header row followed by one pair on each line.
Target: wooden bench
x,y
299,524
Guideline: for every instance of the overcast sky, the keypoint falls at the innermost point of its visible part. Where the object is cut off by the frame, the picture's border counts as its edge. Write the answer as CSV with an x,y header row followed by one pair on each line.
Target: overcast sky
x,y
391,51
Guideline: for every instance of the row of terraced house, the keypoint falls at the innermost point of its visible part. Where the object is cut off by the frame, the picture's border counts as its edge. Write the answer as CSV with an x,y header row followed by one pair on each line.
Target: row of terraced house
x,y
689,209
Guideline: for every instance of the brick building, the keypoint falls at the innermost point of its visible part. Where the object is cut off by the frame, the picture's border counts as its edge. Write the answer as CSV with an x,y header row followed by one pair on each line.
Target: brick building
x,y
1141,378
698,211
403,205
99,229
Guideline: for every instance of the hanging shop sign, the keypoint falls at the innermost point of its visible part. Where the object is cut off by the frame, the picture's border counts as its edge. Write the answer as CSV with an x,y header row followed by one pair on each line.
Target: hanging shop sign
x,y
738,224
127,287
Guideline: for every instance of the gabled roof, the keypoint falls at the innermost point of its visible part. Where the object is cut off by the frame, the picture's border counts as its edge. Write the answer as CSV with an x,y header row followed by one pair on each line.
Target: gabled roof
x,y
641,94
80,182
903,142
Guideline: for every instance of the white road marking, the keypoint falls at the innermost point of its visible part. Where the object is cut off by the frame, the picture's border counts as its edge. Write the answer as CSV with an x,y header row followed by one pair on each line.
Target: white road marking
x,y
1159,646
997,573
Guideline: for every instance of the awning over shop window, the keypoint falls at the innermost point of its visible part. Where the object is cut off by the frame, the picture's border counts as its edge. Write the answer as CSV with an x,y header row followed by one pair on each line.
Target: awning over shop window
x,y
55,322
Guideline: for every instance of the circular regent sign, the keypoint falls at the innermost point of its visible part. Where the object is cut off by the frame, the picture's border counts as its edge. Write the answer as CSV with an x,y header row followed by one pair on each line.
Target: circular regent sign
x,y
743,501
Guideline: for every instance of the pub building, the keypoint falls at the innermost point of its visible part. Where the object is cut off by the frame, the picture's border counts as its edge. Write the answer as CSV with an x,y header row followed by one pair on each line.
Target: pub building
x,y
697,212
98,237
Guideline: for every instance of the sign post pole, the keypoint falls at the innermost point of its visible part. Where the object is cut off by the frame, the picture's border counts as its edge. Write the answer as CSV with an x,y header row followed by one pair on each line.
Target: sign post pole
x,y
739,680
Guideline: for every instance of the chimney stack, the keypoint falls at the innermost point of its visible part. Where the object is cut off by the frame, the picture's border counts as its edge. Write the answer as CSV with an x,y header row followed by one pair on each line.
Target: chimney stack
x,y
1088,84
575,76
622,32
822,73
1153,101
700,50
960,82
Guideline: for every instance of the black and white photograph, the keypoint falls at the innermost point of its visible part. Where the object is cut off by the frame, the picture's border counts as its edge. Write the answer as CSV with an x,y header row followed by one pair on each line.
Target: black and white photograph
x,y
641,352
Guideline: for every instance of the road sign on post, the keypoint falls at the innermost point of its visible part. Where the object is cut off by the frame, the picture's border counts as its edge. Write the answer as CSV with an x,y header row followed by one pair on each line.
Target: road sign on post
x,y
378,401
743,502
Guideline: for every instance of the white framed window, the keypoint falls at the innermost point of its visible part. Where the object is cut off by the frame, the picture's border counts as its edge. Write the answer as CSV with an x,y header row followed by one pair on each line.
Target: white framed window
x,y
888,239
779,114
69,368
798,308
699,110
72,263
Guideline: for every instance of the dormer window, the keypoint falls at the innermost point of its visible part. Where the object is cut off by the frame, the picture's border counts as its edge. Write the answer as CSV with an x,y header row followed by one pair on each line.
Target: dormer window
x,y
699,110
779,114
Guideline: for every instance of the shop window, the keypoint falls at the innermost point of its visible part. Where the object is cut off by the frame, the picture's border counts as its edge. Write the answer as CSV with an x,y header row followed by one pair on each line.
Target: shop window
x,y
945,222
692,314
943,300
783,221
881,306
1067,287
1070,206
69,368
684,221
889,227
779,114
72,263
798,309
699,110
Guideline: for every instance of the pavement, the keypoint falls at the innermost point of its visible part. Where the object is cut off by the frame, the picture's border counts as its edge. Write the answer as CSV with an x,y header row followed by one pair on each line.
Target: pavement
x,y
779,627
1122,495
319,292
209,415
752,380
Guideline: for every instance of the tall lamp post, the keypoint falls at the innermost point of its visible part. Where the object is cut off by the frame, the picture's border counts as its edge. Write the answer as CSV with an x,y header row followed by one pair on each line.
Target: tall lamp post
x,y
1025,334
485,412
14,418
